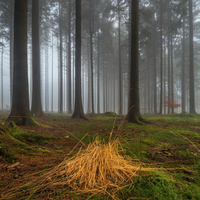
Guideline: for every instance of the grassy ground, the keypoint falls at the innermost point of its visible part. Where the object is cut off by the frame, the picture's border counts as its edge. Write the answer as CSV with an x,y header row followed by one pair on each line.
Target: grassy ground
x,y
170,145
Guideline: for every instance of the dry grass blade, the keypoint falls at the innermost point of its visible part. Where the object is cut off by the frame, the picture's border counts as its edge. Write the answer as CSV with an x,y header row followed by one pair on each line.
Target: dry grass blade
x,y
94,170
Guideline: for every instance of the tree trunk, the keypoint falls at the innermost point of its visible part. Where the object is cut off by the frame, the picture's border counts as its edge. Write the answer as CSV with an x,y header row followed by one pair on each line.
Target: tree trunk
x,y
161,57
134,108
11,51
168,47
60,110
191,71
2,77
69,95
36,109
78,110
20,113
164,71
183,69
120,67
155,71
98,66
91,52
172,73
89,80
52,78
46,77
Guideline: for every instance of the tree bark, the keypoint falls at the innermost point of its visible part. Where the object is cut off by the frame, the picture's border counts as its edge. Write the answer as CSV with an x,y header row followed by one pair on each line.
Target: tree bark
x,y
11,50
120,67
191,72
161,57
69,95
78,110
98,66
172,73
155,70
183,69
20,113
36,109
134,108
2,76
60,110
168,47
91,52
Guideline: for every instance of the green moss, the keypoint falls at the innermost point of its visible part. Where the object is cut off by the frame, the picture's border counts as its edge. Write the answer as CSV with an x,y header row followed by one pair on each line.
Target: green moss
x,y
46,151
9,155
160,186
32,137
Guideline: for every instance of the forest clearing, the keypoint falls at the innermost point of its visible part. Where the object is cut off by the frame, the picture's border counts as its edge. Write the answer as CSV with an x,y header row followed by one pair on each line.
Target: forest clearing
x,y
168,148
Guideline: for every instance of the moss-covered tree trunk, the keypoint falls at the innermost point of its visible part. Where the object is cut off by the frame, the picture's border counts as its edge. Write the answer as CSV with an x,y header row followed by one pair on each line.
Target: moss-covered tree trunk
x,y
20,113
36,109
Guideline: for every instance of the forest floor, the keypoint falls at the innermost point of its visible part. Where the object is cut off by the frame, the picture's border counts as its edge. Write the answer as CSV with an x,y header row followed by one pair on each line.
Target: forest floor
x,y
169,144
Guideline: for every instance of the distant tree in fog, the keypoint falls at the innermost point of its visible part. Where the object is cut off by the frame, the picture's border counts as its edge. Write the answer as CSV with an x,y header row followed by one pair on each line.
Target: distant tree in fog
x,y
191,69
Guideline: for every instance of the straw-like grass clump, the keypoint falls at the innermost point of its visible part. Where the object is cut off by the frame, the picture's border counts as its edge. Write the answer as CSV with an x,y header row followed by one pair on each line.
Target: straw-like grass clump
x,y
94,170
98,167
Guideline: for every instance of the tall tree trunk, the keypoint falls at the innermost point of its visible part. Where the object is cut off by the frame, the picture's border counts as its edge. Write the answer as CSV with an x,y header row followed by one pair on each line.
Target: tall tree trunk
x,y
161,57
78,110
164,75
155,70
89,80
20,113
134,108
98,66
172,73
91,51
36,109
60,110
52,78
183,69
168,47
120,67
2,77
11,50
69,95
191,71
46,77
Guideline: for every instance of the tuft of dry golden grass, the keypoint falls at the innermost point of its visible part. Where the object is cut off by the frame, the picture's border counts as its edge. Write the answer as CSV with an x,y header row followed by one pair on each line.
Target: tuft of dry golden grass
x,y
93,170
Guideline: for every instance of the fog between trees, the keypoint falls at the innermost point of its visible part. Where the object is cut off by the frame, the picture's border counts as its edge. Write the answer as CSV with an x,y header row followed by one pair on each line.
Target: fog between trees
x,y
168,55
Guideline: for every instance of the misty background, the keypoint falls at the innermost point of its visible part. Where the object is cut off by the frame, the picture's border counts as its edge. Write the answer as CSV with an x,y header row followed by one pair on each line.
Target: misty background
x,y
164,48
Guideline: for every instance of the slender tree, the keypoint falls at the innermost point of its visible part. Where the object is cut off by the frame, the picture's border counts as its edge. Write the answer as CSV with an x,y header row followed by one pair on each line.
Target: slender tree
x,y
191,70
155,69
161,56
78,110
20,113
60,109
183,69
91,51
11,49
120,64
69,95
36,109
